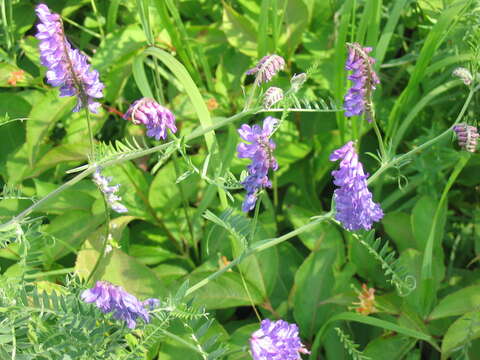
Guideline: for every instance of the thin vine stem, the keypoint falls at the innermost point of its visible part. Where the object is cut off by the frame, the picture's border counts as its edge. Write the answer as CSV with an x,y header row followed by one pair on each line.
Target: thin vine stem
x,y
101,255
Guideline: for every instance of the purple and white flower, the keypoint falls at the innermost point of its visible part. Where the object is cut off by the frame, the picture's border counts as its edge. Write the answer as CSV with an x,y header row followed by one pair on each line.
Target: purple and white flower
x,y
267,67
355,208
110,192
67,67
358,98
156,118
259,148
124,306
276,340
272,96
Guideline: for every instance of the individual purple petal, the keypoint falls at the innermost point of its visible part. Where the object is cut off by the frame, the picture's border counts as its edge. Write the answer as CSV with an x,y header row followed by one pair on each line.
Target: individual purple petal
x,y
276,340
355,208
260,151
156,118
67,67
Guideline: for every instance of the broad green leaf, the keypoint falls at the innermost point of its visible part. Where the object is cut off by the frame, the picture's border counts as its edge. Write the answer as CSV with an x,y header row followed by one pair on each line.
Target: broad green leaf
x,y
392,348
314,284
118,267
461,332
77,197
369,320
289,260
397,226
225,291
68,231
62,153
295,22
164,193
240,32
42,117
421,220
288,148
119,47
457,303
411,260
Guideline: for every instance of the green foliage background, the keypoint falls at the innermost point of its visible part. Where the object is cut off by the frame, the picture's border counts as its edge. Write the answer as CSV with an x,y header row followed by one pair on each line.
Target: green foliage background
x,y
184,221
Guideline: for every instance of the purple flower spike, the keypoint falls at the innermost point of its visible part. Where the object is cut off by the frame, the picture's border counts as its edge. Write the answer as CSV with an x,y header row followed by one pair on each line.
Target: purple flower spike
x,y
155,117
110,298
354,206
467,136
260,151
267,67
276,340
359,97
67,67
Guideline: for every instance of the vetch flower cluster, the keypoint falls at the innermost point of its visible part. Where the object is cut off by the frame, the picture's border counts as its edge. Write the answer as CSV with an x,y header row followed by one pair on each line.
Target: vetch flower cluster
x,y
467,136
124,306
354,206
260,151
113,199
359,97
276,340
267,67
366,301
156,118
67,67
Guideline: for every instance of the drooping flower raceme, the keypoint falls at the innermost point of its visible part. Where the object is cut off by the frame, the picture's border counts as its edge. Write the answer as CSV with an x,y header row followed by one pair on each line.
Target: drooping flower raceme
x,y
359,97
467,136
109,191
124,306
276,340
355,208
155,117
260,151
67,67
267,67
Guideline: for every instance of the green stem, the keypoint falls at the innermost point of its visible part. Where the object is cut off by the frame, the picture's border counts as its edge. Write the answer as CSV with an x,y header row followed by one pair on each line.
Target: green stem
x,y
258,247
402,158
185,210
255,218
50,273
97,15
380,140
101,255
90,132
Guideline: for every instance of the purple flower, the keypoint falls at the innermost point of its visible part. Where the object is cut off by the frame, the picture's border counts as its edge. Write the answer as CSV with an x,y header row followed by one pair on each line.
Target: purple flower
x,y
267,67
110,298
260,151
67,67
155,117
359,97
276,340
467,136
109,191
354,206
